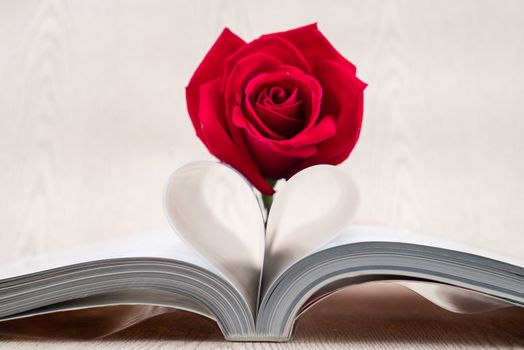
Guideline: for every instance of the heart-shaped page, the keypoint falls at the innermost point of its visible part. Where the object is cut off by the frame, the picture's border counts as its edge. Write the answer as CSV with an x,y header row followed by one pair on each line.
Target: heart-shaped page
x,y
214,209
310,210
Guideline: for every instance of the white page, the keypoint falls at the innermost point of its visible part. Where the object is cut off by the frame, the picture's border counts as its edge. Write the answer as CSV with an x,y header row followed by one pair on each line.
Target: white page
x,y
161,244
357,234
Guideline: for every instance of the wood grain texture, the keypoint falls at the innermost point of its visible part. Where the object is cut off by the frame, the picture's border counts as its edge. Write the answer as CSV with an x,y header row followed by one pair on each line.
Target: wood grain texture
x,y
93,120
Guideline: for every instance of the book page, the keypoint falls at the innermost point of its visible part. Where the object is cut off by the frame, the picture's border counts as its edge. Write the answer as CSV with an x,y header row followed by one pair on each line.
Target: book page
x,y
359,234
161,244
354,234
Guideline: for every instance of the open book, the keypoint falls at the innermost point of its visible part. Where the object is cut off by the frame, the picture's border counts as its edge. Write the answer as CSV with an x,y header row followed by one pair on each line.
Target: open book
x,y
224,260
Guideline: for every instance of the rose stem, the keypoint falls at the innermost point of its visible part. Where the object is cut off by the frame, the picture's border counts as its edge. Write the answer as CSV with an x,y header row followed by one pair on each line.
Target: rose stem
x,y
268,200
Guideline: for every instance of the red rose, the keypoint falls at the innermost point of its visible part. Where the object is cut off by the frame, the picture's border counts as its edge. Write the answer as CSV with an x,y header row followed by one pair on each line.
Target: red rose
x,y
276,105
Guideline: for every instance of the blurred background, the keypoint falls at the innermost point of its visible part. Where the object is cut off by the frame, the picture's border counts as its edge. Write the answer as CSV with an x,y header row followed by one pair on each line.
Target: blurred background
x,y
93,116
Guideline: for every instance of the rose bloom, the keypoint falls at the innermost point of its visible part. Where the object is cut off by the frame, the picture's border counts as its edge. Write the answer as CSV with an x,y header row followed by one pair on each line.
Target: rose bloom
x,y
276,105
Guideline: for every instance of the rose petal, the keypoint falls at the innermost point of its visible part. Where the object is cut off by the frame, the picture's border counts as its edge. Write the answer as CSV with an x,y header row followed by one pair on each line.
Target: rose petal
x,y
219,142
273,161
277,146
256,126
259,127
291,100
249,69
289,110
244,70
276,95
211,67
314,45
278,122
319,133
344,99
308,87
276,47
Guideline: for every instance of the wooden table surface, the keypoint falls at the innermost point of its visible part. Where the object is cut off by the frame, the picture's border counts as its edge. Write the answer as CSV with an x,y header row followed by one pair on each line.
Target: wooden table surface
x,y
93,120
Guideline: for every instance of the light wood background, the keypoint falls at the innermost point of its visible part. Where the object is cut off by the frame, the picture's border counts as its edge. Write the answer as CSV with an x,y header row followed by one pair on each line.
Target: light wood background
x,y
93,117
